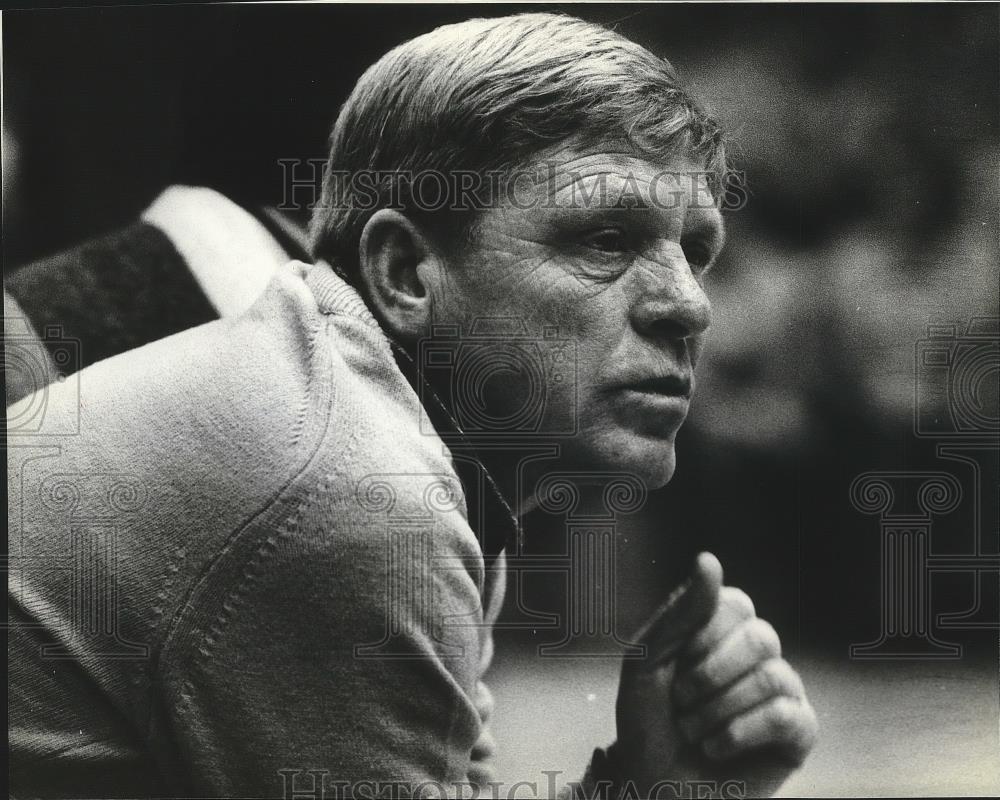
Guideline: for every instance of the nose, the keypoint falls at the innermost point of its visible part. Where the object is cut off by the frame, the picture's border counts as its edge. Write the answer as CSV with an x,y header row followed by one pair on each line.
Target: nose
x,y
672,305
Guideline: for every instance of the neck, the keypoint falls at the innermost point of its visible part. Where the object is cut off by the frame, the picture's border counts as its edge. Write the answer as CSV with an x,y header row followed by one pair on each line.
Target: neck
x,y
515,469
502,471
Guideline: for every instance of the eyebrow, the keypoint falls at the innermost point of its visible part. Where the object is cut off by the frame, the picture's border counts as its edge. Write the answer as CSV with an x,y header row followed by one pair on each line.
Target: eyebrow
x,y
576,185
703,222
630,202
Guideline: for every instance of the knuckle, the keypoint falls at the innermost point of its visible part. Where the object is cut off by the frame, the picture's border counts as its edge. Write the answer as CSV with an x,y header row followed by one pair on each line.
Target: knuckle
x,y
729,737
764,638
738,600
796,687
773,676
809,739
805,738
700,678
783,717
811,725
485,703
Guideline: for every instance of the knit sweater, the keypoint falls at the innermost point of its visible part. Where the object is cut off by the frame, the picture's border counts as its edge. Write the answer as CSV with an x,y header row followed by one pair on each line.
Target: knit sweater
x,y
238,554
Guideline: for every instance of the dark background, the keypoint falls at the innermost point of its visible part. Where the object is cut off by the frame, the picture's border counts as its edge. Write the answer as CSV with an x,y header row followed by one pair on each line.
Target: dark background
x,y
868,135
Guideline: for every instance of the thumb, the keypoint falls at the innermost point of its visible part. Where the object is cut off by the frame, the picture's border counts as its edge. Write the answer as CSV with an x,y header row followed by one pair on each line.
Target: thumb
x,y
689,607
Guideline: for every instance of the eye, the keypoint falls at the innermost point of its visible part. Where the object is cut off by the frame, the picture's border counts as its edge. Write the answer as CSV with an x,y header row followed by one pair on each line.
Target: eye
x,y
698,255
606,240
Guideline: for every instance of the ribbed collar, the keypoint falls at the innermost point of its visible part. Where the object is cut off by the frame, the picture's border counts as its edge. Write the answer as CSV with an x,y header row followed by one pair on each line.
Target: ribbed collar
x,y
490,515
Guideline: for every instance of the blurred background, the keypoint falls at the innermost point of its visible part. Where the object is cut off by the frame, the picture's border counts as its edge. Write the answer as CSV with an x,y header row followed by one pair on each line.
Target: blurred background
x,y
868,136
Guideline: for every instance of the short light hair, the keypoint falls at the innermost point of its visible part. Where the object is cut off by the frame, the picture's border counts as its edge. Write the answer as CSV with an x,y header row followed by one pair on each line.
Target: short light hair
x,y
488,95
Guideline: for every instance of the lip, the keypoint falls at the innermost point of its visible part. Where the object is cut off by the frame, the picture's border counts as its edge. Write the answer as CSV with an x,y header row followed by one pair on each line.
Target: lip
x,y
673,387
665,398
657,402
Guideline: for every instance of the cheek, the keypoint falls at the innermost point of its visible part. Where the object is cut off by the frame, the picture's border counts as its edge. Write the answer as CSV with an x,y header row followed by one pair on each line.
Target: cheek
x,y
541,291
696,346
597,320
488,283
594,330
581,307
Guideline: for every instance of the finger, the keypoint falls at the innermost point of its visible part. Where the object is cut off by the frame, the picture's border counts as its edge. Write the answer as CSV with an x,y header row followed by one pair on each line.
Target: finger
x,y
484,702
784,724
687,609
485,747
772,678
735,606
742,650
481,774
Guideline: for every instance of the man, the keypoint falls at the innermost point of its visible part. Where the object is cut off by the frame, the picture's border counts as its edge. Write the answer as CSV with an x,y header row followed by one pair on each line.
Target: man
x,y
271,546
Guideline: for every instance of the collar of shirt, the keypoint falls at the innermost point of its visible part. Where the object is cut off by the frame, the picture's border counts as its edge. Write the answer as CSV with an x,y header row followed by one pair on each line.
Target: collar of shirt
x,y
490,515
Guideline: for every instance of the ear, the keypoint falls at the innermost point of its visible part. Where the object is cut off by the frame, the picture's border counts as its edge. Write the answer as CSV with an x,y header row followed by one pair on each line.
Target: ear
x,y
399,267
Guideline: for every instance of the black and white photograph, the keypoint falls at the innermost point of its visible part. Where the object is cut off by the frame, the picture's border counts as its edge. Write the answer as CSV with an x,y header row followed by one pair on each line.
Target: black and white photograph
x,y
502,401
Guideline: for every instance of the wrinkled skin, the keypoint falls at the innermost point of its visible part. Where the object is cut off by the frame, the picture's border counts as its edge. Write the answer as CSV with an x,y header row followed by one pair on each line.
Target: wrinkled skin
x,y
623,285
714,700
621,275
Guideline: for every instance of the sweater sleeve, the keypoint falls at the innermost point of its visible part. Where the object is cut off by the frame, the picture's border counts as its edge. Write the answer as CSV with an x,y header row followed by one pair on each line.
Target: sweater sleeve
x,y
482,767
347,657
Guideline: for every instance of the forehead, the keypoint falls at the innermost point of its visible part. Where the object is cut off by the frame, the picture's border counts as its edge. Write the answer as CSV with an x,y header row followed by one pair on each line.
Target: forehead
x,y
653,182
571,179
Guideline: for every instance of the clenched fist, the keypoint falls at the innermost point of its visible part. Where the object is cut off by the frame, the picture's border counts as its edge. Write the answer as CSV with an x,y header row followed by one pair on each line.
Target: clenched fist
x,y
713,700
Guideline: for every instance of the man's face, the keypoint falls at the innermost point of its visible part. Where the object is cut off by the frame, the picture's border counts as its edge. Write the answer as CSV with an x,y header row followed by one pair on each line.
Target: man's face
x,y
599,264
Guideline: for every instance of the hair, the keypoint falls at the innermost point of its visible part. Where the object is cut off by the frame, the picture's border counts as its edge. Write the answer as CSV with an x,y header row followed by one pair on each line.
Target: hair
x,y
488,95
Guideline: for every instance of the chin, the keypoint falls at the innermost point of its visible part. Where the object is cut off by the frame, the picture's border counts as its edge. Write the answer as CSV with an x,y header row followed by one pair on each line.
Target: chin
x,y
656,467
651,459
